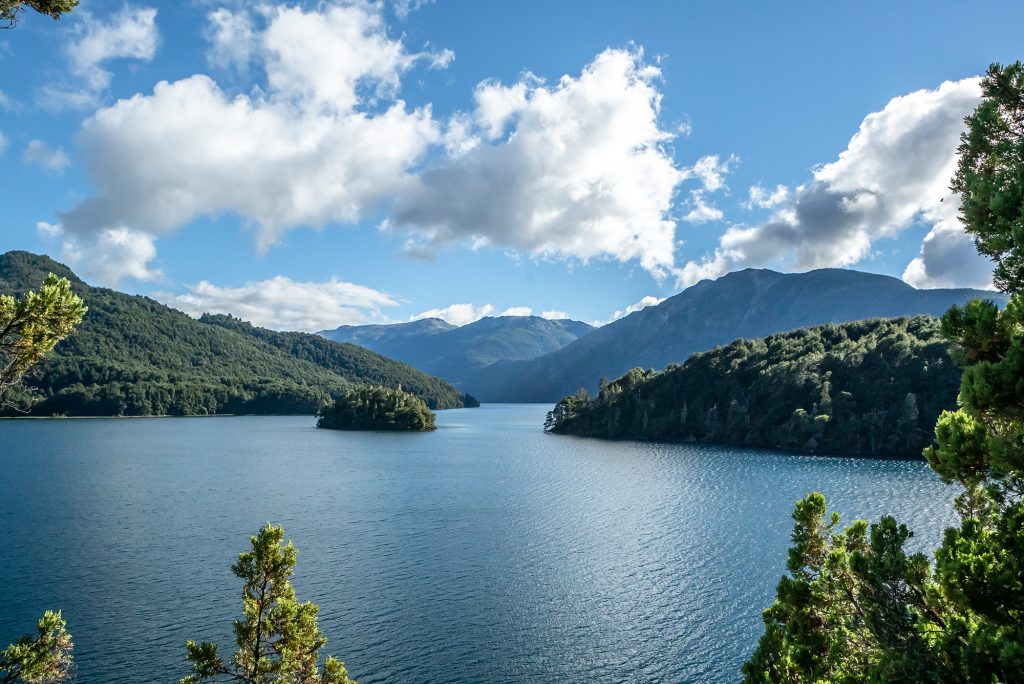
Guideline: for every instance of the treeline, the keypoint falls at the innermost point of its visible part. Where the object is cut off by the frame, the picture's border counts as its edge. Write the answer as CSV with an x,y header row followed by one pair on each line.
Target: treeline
x,y
377,408
133,356
871,387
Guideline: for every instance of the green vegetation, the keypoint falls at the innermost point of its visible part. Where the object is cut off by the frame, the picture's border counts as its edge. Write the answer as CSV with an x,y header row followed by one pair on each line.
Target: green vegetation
x,y
11,9
856,607
278,638
133,356
377,408
43,659
31,326
869,388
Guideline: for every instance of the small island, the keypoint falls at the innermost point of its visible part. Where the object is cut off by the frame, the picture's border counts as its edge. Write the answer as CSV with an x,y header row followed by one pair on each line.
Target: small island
x,y
377,408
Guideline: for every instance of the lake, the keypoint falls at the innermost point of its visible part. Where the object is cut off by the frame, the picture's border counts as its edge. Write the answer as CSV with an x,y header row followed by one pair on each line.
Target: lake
x,y
486,551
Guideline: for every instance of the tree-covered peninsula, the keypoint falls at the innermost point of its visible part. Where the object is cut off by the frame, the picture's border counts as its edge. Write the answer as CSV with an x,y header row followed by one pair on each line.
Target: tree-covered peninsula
x,y
377,408
133,356
871,387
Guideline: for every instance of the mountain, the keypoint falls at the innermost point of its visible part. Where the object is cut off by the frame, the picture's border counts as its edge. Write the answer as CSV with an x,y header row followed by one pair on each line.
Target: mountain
x,y
870,388
744,304
132,355
458,353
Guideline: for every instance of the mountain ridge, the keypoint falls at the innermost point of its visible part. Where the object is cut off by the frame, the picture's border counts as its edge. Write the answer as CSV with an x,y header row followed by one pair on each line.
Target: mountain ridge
x,y
751,303
456,353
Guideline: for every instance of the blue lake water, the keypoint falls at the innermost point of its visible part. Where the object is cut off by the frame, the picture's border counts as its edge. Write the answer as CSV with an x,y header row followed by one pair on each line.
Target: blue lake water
x,y
484,552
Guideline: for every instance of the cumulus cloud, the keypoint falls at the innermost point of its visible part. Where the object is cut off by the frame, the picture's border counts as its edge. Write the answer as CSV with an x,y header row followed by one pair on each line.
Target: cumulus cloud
x,y
649,300
129,34
554,315
300,153
517,311
576,170
948,257
894,172
38,153
457,314
765,198
232,39
284,304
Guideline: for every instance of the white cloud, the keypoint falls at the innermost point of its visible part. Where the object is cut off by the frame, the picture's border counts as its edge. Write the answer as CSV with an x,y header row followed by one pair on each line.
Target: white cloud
x,y
574,170
711,171
284,304
129,34
457,314
6,102
554,315
112,255
895,171
702,211
948,257
649,300
299,154
3,143
764,198
517,311
48,230
38,153
232,39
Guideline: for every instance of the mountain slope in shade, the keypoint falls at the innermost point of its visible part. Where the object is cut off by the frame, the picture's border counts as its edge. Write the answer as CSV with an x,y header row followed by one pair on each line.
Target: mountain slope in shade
x,y
744,304
458,353
134,356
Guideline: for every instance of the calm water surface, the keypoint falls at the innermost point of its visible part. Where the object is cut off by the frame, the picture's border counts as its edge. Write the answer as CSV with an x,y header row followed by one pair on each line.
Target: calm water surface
x,y
485,552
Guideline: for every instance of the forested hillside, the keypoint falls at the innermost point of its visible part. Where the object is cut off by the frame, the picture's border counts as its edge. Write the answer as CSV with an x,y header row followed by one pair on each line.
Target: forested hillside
x,y
132,355
872,387
745,304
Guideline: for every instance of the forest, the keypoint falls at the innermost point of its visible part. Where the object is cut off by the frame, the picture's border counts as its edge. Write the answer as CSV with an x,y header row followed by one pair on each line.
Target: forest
x,y
133,356
377,408
872,387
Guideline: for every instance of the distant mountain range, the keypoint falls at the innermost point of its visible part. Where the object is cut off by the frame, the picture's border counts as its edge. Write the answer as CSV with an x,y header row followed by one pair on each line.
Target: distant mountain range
x,y
134,356
745,304
458,354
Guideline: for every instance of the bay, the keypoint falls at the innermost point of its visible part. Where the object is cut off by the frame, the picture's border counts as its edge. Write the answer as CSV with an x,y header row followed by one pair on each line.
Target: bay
x,y
487,551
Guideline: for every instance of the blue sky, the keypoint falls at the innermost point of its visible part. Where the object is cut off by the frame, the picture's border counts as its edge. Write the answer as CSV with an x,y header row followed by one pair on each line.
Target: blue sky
x,y
305,166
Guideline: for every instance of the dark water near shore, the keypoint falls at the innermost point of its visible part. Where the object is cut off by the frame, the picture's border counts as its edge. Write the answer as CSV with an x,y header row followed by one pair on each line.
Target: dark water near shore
x,y
485,552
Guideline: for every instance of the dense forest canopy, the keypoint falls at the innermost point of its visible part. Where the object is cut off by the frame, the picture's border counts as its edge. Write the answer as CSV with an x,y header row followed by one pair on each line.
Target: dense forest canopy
x,y
134,356
377,408
872,387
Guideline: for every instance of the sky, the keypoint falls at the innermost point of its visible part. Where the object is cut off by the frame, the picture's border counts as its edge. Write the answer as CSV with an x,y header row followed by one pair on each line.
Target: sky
x,y
309,165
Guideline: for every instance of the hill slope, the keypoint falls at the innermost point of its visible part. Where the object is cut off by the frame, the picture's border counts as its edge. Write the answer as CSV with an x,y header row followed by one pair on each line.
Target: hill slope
x,y
458,353
745,304
132,355
872,387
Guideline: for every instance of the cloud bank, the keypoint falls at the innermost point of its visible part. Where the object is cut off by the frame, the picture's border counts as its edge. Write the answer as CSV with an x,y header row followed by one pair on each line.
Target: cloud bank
x,y
284,304
894,173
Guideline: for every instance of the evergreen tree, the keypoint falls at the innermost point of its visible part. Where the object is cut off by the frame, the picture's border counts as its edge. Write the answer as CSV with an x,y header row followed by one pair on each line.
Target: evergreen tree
x,y
278,638
42,659
10,10
32,325
855,612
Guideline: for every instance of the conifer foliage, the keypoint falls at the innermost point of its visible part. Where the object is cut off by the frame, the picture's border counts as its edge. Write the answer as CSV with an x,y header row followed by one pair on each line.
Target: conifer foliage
x,y
377,408
278,638
855,606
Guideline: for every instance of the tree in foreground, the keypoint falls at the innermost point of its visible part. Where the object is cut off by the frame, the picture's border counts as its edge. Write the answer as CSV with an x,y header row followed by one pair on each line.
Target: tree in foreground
x,y
30,327
42,659
278,638
11,9
377,408
855,607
